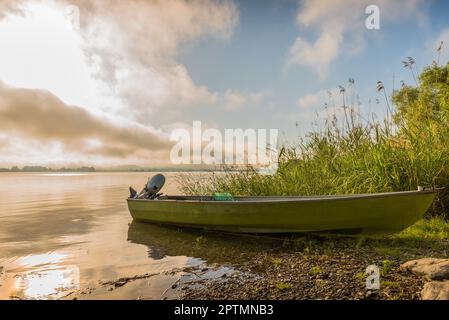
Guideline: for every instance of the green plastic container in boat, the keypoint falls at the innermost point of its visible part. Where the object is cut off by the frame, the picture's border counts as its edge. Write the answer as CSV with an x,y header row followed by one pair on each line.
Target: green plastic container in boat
x,y
223,197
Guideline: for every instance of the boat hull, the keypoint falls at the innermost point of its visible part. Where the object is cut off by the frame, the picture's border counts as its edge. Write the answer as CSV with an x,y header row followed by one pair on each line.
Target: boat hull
x,y
370,213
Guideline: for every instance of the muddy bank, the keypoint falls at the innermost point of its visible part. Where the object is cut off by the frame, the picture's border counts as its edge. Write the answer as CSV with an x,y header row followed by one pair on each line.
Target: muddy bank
x,y
323,268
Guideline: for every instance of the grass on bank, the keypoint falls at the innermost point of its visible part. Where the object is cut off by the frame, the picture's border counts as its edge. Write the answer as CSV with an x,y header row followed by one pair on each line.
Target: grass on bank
x,y
432,229
428,237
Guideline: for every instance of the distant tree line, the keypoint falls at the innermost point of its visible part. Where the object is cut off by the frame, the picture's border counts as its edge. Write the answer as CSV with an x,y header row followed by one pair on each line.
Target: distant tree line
x,y
45,169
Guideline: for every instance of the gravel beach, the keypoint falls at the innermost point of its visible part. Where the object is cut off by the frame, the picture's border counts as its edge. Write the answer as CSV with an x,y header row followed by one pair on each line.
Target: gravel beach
x,y
321,268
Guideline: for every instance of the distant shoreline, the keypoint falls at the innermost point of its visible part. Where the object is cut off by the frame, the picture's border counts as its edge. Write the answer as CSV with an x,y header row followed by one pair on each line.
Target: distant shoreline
x,y
122,171
93,170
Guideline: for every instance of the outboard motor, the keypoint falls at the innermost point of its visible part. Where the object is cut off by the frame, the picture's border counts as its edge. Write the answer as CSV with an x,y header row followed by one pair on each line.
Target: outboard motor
x,y
151,189
155,185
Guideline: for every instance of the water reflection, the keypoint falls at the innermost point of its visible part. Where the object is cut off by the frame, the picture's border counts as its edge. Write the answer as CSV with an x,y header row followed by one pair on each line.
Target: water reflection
x,y
42,276
213,247
51,282
62,232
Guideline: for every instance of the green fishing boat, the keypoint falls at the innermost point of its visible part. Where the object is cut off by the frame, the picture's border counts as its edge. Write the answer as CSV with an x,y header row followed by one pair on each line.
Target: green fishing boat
x,y
377,213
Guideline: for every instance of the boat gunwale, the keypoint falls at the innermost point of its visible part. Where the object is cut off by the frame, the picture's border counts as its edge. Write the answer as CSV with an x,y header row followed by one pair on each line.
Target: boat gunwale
x,y
289,199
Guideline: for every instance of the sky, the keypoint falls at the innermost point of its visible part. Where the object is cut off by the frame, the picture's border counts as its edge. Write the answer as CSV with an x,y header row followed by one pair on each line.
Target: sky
x,y
105,82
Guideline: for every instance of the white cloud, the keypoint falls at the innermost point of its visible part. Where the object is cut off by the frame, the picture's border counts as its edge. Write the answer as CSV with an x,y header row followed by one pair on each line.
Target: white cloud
x,y
318,54
318,100
233,99
308,101
340,25
137,43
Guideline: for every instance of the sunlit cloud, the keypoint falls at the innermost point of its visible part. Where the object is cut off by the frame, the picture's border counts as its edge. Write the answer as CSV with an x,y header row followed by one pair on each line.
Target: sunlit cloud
x,y
8,7
41,51
40,116
119,68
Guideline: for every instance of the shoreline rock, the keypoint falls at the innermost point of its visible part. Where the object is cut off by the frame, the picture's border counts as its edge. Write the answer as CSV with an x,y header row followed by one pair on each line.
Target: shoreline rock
x,y
435,290
436,270
430,268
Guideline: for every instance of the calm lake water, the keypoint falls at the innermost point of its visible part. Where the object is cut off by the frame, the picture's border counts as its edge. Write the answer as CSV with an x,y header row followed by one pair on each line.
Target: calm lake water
x,y
65,233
